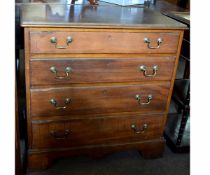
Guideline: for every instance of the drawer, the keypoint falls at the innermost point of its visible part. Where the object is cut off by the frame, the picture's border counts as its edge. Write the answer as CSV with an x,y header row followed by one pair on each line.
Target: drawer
x,y
103,42
87,70
96,131
99,99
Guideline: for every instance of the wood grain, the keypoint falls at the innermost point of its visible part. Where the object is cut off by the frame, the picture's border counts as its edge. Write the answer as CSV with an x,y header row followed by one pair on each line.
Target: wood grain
x,y
88,16
105,56
95,131
102,42
99,99
88,70
27,83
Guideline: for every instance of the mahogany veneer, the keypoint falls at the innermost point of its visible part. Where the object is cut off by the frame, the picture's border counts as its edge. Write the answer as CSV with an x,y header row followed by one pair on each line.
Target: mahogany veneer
x,y
98,81
102,42
100,70
99,99
80,132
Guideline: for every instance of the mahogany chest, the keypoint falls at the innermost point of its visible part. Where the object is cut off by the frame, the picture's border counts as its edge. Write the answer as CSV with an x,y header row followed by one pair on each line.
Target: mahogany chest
x,y
98,79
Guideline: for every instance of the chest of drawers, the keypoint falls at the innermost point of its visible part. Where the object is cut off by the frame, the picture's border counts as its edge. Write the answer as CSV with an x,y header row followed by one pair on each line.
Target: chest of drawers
x,y
95,85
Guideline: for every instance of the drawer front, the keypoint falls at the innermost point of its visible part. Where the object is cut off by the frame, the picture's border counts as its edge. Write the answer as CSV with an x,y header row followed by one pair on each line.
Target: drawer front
x,y
103,42
96,131
87,70
99,99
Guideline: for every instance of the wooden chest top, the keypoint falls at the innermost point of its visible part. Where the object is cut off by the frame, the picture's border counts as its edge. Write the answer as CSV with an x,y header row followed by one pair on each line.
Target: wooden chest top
x,y
88,16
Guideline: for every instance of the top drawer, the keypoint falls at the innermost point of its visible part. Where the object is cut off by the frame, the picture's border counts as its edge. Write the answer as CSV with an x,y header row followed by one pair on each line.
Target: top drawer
x,y
103,42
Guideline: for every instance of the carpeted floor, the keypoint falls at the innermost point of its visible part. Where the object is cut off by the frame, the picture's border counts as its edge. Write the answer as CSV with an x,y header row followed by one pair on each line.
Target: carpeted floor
x,y
123,163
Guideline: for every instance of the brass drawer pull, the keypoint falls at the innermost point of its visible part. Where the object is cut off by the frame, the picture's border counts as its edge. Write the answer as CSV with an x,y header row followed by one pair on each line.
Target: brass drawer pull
x,y
60,136
159,41
53,40
67,71
140,130
149,98
144,69
54,103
